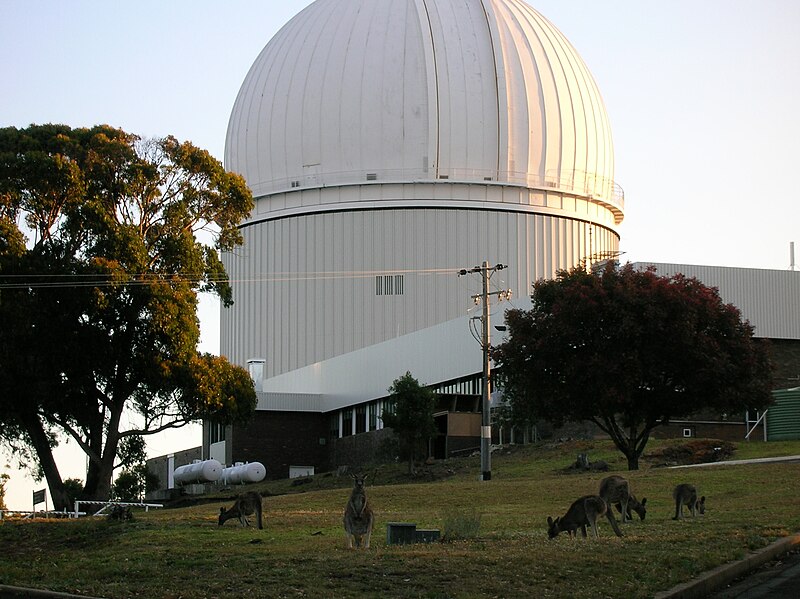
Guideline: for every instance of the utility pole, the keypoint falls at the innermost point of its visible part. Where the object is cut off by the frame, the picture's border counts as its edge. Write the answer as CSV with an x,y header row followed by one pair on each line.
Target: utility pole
x,y
486,272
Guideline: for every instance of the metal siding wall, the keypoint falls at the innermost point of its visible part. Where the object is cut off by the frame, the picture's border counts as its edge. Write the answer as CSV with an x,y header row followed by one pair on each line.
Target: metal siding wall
x,y
296,304
769,299
783,417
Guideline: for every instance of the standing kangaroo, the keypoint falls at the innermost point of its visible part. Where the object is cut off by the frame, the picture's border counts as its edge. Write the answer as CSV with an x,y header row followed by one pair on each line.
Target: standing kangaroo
x,y
686,494
246,504
358,516
616,490
582,513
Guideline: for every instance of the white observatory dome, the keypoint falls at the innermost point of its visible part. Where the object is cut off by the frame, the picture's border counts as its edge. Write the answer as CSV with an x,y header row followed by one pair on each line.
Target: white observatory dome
x,y
355,91
390,143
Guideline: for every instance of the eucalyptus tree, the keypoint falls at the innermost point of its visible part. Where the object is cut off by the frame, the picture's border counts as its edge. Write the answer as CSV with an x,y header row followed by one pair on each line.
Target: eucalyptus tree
x,y
106,239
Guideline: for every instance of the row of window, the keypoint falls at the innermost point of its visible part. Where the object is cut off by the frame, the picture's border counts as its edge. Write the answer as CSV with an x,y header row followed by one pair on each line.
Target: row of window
x,y
367,417
359,419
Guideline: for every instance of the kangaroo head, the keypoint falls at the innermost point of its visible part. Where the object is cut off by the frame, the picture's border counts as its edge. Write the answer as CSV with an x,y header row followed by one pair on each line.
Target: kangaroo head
x,y
359,481
552,527
701,505
640,508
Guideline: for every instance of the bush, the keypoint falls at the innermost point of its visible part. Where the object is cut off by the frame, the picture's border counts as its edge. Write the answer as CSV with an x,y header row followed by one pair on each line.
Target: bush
x,y
696,451
461,525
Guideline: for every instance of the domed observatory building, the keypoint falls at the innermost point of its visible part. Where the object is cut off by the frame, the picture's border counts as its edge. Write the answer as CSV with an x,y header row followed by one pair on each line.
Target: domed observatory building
x,y
389,144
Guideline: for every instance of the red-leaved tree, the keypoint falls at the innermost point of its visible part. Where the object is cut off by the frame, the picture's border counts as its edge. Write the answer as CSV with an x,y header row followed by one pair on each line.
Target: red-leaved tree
x,y
628,350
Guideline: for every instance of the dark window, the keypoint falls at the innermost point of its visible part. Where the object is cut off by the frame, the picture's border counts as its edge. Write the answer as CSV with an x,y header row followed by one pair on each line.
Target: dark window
x,y
361,419
373,416
335,426
216,432
347,423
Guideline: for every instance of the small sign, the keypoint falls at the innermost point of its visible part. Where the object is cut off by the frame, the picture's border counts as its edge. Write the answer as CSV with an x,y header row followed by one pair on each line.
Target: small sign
x,y
39,496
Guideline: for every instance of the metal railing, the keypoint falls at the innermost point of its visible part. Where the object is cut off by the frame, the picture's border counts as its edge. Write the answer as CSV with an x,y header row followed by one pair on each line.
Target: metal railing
x,y
759,418
107,505
578,182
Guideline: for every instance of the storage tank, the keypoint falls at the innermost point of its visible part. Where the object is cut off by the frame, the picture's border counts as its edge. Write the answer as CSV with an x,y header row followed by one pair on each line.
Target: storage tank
x,y
241,473
206,471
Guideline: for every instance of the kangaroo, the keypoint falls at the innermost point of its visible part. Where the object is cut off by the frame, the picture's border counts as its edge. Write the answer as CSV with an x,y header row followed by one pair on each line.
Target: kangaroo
x,y
686,494
636,506
358,515
246,504
582,513
616,490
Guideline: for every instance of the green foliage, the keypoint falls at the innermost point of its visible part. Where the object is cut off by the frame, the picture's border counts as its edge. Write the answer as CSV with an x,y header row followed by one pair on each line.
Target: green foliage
x,y
629,350
132,451
131,484
135,479
411,416
105,241
74,489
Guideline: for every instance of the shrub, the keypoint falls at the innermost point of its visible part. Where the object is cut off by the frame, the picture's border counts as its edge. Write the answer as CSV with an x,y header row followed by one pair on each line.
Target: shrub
x,y
460,525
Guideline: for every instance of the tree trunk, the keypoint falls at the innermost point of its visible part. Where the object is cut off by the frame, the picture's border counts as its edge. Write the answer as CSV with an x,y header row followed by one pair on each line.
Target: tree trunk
x,y
631,450
98,478
100,473
633,459
44,452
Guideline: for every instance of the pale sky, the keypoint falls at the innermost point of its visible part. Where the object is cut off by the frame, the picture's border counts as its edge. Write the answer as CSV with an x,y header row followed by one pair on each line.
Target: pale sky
x,y
702,96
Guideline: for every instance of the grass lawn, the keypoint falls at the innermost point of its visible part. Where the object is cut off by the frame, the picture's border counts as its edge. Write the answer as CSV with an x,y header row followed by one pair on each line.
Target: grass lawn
x,y
301,552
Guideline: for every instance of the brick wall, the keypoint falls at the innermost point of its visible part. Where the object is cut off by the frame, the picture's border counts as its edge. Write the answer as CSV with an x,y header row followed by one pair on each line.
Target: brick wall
x,y
160,465
282,439
727,431
785,355
357,451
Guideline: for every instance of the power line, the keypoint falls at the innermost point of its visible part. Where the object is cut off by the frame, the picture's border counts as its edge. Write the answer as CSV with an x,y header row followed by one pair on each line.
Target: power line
x,y
44,281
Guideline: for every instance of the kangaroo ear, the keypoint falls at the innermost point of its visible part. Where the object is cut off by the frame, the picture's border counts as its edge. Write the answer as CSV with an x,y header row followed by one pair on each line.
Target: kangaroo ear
x,y
222,510
644,501
703,499
549,521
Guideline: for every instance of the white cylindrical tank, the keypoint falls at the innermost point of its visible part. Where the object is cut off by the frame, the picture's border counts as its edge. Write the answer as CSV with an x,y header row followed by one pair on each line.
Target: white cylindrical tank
x,y
251,472
206,471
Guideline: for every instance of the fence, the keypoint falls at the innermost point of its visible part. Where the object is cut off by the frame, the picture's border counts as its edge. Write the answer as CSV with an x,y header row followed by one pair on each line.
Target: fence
x,y
30,515
107,505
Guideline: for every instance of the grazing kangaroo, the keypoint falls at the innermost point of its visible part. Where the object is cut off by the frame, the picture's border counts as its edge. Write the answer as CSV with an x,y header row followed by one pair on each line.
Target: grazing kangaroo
x,y
582,513
358,516
246,504
686,494
634,505
616,490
